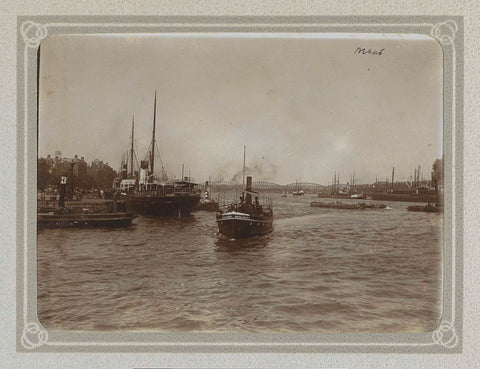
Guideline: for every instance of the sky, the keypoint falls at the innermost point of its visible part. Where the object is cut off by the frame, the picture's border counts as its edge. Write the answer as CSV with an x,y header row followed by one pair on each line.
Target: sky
x,y
304,106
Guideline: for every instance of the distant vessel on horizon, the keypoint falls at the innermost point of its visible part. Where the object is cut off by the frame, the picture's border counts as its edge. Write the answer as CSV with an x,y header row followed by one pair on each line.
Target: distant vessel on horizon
x,y
297,192
207,203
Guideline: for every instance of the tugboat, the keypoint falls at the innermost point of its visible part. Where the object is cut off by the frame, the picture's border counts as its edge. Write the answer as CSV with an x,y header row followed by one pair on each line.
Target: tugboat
x,y
247,218
162,197
92,213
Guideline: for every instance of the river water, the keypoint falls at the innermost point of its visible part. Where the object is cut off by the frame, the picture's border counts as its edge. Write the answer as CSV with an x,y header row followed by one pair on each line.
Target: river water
x,y
320,270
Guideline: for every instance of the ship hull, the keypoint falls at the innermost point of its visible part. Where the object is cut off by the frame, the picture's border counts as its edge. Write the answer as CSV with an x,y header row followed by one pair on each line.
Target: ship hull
x,y
84,220
164,205
426,208
425,197
243,228
207,206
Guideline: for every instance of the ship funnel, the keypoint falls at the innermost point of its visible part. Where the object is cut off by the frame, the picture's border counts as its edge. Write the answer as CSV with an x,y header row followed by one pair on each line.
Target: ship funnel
x,y
63,189
206,190
248,197
143,176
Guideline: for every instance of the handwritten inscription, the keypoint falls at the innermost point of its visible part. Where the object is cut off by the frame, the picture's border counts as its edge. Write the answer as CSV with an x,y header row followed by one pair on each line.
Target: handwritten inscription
x,y
365,51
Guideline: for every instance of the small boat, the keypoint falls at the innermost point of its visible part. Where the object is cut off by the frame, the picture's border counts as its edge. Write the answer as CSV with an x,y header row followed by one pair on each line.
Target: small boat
x,y
429,208
207,203
437,206
247,218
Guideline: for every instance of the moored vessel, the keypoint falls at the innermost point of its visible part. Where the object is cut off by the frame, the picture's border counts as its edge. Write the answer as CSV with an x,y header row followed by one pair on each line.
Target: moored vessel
x,y
65,219
84,213
429,196
173,198
156,196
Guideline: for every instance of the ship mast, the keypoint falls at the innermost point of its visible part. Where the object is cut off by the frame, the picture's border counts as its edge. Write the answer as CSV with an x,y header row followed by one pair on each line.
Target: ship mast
x,y
131,148
243,179
393,174
152,155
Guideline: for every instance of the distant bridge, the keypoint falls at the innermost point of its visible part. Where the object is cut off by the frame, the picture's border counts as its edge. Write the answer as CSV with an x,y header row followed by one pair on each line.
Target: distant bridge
x,y
264,186
304,186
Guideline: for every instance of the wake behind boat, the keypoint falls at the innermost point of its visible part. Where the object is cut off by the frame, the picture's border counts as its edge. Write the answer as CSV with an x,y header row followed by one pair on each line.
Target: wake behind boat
x,y
246,218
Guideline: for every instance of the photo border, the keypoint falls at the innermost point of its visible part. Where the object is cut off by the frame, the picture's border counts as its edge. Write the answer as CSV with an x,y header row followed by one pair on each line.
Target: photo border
x,y
33,337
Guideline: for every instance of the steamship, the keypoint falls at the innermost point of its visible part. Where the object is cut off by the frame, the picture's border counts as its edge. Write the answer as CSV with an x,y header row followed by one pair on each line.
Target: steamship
x,y
153,196
245,218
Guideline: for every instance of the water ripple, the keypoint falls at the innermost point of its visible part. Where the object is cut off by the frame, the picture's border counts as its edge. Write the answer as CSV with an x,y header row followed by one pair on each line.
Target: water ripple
x,y
320,270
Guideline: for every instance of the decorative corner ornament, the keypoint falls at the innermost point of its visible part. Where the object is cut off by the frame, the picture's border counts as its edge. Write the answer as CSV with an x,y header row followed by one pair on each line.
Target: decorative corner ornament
x,y
33,33
34,336
445,32
445,335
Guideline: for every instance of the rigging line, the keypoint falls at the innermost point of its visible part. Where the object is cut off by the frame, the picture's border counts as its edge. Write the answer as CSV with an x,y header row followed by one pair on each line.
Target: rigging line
x,y
148,151
135,150
136,159
164,172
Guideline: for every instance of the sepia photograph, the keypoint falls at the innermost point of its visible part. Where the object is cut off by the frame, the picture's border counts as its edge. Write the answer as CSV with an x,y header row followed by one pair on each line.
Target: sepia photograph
x,y
240,183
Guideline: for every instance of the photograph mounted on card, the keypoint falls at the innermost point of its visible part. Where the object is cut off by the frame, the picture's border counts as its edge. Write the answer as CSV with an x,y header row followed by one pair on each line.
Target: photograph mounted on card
x,y
242,189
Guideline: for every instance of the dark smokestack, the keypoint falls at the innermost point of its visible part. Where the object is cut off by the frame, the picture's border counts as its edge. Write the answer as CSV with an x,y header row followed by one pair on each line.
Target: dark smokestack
x,y
144,164
248,197
62,191
393,175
